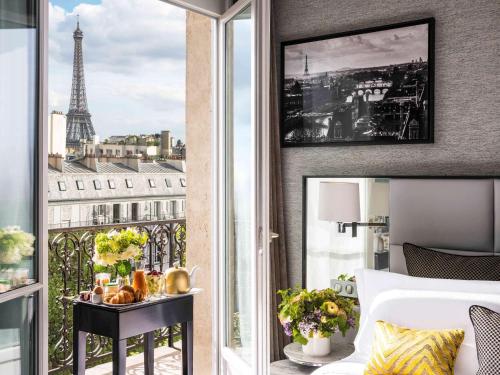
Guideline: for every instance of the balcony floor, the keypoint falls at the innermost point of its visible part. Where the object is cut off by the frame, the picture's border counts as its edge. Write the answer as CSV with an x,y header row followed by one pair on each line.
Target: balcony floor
x,y
168,361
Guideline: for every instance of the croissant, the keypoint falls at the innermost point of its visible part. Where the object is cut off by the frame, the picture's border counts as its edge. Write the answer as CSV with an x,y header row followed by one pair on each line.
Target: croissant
x,y
128,297
115,300
108,297
139,296
127,288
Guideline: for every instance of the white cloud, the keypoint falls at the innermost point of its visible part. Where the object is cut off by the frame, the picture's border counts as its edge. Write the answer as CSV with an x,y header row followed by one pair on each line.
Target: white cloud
x,y
365,50
134,56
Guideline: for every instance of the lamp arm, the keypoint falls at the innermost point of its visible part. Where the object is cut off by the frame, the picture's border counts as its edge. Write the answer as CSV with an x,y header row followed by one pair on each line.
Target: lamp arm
x,y
354,225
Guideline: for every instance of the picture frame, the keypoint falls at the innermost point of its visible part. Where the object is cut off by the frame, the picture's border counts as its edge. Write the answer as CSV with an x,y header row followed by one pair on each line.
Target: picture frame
x,y
373,86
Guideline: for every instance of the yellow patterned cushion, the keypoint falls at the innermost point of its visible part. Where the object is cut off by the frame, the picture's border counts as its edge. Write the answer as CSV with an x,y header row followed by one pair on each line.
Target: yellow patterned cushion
x,y
404,351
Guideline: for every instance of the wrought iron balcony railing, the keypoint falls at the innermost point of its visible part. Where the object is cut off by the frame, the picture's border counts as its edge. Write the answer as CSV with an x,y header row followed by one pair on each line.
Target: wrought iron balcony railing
x,y
71,270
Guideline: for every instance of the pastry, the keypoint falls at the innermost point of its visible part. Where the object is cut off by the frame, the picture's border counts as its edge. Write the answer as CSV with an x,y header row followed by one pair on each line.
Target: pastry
x,y
139,296
115,300
108,297
128,297
128,289
98,290
121,297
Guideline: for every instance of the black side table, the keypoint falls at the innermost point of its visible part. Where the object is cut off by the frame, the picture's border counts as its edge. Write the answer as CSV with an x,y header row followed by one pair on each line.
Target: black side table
x,y
120,323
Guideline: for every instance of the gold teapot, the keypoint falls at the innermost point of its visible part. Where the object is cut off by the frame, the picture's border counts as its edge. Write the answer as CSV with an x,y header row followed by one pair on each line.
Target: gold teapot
x,y
179,280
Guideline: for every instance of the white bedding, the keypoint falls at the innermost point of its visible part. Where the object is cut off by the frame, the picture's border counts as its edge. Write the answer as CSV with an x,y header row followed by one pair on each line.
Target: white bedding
x,y
416,303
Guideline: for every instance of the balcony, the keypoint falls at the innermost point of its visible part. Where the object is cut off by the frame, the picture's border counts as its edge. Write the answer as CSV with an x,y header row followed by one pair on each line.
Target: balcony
x,y
72,270
102,220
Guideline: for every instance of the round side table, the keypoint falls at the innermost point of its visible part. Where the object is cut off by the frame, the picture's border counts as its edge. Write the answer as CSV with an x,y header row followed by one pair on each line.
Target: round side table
x,y
299,363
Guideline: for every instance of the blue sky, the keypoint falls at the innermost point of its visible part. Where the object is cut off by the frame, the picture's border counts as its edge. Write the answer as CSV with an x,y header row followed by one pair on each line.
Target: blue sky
x,y
134,57
69,5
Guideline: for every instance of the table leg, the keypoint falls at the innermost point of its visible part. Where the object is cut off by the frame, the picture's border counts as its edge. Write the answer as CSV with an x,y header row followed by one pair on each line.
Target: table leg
x,y
187,347
79,349
119,356
149,347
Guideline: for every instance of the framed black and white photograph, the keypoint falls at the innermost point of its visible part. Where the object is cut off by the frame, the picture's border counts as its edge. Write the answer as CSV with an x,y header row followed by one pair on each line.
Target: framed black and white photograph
x,y
372,86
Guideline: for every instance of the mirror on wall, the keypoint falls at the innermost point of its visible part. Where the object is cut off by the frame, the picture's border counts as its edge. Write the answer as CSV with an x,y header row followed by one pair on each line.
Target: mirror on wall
x,y
346,227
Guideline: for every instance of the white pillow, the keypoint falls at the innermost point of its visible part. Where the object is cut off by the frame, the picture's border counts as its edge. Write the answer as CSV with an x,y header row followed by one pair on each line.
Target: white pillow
x,y
375,285
371,282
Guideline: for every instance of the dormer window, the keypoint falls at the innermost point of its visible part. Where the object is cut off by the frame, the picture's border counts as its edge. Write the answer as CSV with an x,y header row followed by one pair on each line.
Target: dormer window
x,y
111,184
183,182
168,182
62,185
152,183
97,184
128,182
79,185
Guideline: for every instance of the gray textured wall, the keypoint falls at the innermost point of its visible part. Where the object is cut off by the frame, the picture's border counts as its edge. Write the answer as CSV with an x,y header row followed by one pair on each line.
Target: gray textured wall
x,y
467,92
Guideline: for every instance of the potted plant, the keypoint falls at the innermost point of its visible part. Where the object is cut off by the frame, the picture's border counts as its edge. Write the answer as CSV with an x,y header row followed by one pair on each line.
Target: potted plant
x,y
118,248
311,317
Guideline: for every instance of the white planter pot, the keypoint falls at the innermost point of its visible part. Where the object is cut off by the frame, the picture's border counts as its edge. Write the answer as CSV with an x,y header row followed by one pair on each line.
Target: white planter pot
x,y
317,346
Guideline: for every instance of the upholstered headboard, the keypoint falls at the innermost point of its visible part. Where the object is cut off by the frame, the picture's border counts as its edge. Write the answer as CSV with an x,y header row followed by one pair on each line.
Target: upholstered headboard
x,y
457,215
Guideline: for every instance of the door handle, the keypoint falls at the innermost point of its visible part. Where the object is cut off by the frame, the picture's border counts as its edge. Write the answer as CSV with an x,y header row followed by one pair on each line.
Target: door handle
x,y
273,236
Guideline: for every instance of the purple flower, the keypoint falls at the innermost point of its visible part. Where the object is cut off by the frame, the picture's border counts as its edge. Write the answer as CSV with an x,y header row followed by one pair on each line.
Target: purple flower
x,y
287,327
351,322
306,328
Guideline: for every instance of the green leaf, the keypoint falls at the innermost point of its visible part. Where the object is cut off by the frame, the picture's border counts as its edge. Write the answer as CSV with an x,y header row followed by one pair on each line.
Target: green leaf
x,y
300,339
123,268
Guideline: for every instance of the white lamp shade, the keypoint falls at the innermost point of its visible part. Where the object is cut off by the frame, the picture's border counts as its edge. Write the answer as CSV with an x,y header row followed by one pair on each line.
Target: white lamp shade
x,y
339,202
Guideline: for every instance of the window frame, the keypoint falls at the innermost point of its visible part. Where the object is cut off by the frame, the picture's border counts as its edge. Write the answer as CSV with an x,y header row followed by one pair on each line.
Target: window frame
x,y
97,184
61,185
80,185
128,183
111,183
152,183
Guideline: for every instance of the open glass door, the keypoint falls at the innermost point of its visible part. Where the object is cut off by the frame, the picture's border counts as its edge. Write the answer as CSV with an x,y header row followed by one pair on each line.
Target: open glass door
x,y
243,162
23,252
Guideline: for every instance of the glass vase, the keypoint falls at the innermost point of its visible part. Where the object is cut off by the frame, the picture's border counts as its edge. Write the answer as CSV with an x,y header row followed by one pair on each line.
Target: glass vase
x,y
123,269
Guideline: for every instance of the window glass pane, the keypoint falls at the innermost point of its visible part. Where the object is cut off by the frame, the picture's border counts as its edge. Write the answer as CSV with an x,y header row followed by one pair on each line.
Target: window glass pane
x,y
18,114
238,183
17,336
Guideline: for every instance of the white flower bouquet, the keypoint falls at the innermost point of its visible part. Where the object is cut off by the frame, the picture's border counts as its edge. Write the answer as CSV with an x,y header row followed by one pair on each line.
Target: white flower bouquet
x,y
119,246
15,244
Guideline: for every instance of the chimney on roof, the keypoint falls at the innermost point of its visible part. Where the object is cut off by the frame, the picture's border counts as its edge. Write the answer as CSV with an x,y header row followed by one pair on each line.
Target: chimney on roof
x,y
179,164
132,161
90,161
56,162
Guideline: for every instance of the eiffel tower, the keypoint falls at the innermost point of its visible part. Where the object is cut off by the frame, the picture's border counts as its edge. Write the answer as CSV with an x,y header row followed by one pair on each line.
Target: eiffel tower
x,y
78,123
